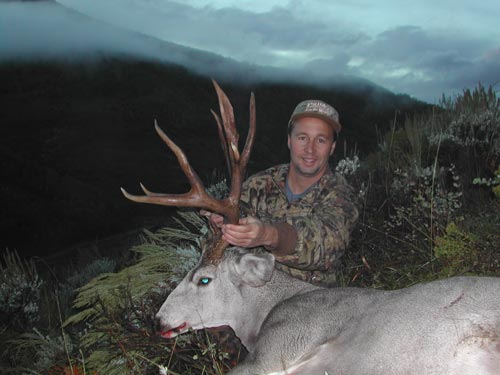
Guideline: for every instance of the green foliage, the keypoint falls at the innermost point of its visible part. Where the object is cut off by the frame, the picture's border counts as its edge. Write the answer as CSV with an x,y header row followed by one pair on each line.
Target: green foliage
x,y
38,352
65,291
417,184
492,182
421,203
20,292
496,191
163,255
472,120
115,311
456,249
468,128
155,265
34,343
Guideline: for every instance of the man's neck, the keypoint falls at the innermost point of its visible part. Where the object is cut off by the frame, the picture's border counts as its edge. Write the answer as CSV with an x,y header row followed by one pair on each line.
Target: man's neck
x,y
299,183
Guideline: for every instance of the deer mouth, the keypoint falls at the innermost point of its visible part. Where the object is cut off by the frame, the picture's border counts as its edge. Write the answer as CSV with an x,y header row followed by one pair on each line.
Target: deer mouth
x,y
174,331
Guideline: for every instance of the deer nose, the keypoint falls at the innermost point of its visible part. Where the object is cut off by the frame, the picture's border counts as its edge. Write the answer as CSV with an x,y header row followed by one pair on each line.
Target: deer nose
x,y
157,323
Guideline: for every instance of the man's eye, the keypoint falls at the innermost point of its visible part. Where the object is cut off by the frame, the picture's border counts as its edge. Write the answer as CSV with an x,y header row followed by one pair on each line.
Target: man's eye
x,y
204,281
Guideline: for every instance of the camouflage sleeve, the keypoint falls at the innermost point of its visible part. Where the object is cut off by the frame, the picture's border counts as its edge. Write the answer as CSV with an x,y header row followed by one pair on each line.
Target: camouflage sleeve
x,y
323,235
246,206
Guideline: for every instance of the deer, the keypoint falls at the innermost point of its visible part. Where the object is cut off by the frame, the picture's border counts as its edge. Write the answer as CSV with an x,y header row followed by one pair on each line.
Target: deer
x,y
444,327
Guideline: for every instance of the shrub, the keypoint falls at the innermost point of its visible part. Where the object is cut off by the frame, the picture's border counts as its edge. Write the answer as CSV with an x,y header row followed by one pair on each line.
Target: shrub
x,y
492,182
417,184
37,353
469,129
20,292
456,249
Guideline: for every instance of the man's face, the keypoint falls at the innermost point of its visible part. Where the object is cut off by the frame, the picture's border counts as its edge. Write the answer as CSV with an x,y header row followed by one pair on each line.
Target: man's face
x,y
311,143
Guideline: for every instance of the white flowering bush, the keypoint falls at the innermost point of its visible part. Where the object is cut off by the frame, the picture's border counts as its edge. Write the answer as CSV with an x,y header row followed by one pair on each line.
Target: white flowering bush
x,y
473,120
468,130
219,189
348,166
423,203
419,185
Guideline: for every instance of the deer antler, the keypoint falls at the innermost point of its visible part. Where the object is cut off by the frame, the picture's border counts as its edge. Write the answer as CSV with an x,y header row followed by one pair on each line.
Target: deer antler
x,y
197,195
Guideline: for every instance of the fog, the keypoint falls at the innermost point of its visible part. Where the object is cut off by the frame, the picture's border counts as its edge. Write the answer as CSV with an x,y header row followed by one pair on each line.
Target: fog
x,y
286,42
47,30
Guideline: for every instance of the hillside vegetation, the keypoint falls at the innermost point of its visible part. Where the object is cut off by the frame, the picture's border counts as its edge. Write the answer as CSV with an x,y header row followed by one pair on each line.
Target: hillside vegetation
x,y
430,208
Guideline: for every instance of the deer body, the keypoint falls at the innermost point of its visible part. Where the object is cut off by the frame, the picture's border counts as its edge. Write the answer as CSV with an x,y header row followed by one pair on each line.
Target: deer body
x,y
290,327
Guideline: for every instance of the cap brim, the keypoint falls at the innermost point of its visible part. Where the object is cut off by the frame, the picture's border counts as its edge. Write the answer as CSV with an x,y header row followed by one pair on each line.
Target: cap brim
x,y
337,127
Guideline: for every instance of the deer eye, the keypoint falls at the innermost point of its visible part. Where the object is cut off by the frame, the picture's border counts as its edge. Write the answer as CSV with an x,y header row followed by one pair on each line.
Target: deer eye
x,y
204,281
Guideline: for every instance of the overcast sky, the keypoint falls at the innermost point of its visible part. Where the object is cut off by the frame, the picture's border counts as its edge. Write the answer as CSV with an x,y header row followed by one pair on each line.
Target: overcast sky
x,y
423,48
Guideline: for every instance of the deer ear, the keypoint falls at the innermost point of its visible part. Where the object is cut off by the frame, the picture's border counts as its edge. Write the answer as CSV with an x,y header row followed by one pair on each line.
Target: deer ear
x,y
255,269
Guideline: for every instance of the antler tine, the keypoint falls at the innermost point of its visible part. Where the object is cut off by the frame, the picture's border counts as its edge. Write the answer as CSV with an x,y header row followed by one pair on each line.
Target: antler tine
x,y
181,158
223,141
237,168
140,198
196,197
250,136
227,115
148,192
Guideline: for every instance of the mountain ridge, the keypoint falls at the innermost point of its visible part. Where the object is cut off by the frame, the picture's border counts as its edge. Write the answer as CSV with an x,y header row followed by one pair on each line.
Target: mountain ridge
x,y
115,40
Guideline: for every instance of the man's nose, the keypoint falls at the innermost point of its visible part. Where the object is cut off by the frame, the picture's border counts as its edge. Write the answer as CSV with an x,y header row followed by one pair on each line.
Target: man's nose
x,y
309,147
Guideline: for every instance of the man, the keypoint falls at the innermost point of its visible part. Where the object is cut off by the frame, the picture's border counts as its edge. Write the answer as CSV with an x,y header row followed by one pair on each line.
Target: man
x,y
302,212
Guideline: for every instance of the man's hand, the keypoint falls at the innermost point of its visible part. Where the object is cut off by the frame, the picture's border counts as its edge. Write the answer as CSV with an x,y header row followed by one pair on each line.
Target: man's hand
x,y
217,219
250,232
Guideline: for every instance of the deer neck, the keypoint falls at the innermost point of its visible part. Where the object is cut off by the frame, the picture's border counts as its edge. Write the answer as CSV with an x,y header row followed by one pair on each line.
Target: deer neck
x,y
258,302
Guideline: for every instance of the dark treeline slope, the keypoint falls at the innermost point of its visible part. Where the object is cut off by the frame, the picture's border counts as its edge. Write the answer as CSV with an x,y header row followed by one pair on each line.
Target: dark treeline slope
x,y
72,134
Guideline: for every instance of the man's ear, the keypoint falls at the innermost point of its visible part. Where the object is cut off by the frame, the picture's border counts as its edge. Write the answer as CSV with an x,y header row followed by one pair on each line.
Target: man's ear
x,y
255,269
288,141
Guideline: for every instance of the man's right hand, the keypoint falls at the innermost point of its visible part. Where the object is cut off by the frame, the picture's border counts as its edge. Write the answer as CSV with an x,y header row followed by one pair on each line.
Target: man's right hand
x,y
250,232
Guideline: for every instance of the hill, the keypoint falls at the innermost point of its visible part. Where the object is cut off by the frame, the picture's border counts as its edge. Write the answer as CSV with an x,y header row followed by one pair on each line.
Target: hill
x,y
78,102
72,134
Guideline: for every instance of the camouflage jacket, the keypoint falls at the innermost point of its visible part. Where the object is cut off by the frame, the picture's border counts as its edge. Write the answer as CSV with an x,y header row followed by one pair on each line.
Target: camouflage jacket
x,y
323,219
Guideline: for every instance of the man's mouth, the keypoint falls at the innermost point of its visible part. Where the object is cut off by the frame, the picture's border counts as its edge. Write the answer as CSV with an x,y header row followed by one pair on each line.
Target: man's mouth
x,y
309,161
174,331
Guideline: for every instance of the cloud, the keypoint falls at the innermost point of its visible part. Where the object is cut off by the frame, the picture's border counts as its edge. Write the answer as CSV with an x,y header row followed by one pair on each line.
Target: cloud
x,y
412,50
428,63
277,36
336,65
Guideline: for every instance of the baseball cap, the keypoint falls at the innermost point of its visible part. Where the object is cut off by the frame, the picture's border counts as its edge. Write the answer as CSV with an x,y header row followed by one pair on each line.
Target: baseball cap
x,y
319,109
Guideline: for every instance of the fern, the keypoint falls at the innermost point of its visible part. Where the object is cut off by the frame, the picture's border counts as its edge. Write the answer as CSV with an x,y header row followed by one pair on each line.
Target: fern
x,y
115,310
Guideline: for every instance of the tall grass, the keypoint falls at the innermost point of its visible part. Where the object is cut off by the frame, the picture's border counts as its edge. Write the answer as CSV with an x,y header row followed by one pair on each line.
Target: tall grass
x,y
420,183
